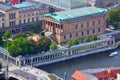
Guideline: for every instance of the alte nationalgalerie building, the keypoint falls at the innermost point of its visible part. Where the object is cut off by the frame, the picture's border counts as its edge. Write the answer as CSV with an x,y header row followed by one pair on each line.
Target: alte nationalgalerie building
x,y
18,18
76,23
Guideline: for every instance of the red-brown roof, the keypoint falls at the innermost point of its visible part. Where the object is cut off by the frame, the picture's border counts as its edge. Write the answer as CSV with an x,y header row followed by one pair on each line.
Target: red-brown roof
x,y
79,76
105,74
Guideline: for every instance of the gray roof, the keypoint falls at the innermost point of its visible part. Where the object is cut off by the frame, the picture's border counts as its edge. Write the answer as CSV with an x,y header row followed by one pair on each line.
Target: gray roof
x,y
25,75
28,6
5,6
70,4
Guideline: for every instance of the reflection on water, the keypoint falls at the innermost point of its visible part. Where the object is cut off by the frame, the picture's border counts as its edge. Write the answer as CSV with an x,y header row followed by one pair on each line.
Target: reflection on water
x,y
91,61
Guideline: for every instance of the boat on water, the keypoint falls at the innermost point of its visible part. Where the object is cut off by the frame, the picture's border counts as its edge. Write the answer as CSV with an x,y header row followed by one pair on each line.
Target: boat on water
x,y
113,54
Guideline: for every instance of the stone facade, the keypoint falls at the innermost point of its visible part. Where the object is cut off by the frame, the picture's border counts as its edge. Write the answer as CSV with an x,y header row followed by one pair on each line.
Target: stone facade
x,y
15,20
76,28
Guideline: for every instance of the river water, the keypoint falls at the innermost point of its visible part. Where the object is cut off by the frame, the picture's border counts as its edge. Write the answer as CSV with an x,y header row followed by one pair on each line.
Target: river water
x,y
91,61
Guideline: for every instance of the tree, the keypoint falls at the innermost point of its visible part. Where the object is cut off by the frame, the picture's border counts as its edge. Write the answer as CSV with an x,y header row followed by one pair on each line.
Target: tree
x,y
69,43
75,41
21,46
87,40
7,34
43,44
34,28
94,37
19,36
114,17
53,46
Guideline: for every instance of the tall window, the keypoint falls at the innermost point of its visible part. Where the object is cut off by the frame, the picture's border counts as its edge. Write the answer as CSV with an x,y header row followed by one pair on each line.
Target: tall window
x,y
3,25
93,23
99,30
98,22
93,31
81,25
28,20
76,26
19,21
64,36
87,24
32,19
82,33
76,34
88,32
70,35
24,21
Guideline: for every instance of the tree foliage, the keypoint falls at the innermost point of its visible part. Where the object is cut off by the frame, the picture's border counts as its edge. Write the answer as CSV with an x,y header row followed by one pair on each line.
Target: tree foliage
x,y
75,41
114,17
69,43
53,46
34,28
7,34
44,44
20,46
87,40
94,37
19,36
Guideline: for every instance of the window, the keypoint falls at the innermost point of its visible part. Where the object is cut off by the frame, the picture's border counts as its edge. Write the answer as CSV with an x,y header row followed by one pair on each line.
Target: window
x,y
76,34
19,21
28,20
82,33
36,18
3,25
64,36
98,22
93,23
70,35
87,24
32,19
61,26
12,16
24,21
81,25
88,32
93,30
76,26
99,30
2,19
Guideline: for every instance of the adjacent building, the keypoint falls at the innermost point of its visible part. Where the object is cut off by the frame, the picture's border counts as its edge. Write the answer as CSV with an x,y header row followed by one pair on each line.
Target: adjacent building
x,y
102,3
111,73
76,23
65,4
18,18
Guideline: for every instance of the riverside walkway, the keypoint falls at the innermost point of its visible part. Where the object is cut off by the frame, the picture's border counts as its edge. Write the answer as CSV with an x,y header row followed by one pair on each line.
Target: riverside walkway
x,y
106,42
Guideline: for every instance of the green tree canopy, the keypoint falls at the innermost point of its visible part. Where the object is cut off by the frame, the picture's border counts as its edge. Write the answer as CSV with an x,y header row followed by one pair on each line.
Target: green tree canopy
x,y
75,41
69,43
114,17
34,28
44,44
53,46
7,34
94,37
21,46
87,40
19,35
